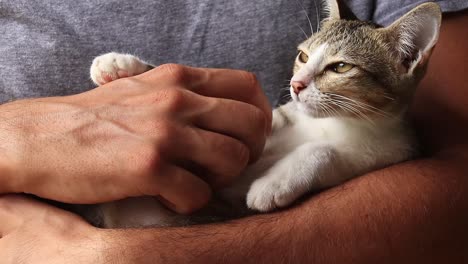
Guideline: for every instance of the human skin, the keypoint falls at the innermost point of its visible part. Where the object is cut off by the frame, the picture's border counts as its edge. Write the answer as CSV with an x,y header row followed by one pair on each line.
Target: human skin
x,y
414,212
162,133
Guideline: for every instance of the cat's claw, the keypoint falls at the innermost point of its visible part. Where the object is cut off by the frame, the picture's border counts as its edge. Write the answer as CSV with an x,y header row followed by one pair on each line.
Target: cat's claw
x,y
113,66
269,193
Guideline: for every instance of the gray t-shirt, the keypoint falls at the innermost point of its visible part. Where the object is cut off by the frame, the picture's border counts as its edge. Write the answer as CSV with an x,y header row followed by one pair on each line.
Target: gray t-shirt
x,y
46,47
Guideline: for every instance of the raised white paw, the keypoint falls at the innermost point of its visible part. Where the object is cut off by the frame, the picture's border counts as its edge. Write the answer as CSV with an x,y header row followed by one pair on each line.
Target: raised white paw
x,y
112,66
269,193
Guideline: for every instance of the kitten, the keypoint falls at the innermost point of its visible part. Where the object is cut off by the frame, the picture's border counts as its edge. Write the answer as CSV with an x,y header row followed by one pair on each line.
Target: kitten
x,y
352,84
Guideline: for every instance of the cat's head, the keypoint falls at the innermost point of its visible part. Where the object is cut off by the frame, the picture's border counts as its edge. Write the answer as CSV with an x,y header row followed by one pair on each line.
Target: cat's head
x,y
354,68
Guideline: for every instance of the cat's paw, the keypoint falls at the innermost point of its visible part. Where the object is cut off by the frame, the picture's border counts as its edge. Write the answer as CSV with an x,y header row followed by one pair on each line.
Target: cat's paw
x,y
270,193
112,66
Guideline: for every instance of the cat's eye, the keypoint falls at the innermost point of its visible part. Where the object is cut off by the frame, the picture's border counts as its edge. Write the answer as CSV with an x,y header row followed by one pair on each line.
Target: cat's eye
x,y
341,67
303,57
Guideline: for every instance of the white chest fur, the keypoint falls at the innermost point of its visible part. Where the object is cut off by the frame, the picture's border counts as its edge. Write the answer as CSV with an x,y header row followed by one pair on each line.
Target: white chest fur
x,y
310,154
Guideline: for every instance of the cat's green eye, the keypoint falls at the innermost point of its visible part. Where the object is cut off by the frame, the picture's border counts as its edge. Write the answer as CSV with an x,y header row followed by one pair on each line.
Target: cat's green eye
x,y
303,57
341,67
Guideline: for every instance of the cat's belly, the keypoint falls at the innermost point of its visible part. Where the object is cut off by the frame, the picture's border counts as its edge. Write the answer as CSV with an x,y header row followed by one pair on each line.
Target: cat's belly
x,y
135,212
149,212
227,203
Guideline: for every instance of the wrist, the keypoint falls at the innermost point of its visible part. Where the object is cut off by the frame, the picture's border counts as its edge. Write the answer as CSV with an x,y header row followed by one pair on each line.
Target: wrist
x,y
10,175
120,246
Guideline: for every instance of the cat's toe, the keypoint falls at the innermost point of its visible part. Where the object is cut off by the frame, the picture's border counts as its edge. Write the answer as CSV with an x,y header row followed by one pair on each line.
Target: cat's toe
x,y
261,196
268,194
112,66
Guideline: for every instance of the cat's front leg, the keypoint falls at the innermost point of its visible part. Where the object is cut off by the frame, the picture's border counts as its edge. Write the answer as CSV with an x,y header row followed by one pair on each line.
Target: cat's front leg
x,y
112,66
282,116
309,167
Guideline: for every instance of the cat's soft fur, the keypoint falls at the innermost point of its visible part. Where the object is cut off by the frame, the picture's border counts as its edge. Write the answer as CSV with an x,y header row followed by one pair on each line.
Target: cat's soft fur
x,y
344,120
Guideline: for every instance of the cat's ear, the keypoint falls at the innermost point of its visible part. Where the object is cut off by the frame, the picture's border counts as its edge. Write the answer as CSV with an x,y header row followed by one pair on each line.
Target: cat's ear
x,y
332,9
336,9
415,34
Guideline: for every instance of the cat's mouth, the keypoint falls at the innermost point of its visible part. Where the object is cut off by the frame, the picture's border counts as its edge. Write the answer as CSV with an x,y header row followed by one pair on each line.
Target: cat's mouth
x,y
310,109
307,105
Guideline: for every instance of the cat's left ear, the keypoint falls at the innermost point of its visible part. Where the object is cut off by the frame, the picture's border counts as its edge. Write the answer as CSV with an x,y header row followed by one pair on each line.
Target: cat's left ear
x,y
415,35
337,9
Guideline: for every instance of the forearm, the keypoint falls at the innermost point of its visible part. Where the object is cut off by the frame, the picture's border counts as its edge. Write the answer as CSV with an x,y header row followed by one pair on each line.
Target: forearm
x,y
6,174
404,214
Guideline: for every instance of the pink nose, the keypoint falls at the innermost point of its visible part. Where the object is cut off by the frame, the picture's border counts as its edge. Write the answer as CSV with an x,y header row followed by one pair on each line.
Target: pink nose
x,y
298,86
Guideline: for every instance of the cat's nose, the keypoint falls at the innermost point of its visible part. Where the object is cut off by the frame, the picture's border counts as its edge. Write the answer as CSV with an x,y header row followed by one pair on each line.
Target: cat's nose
x,y
298,86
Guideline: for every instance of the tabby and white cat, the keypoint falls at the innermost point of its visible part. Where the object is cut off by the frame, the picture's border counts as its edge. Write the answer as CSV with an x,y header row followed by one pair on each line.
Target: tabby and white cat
x,y
352,84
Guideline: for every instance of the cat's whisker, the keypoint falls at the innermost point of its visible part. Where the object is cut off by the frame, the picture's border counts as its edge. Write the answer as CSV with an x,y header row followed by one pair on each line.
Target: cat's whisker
x,y
333,111
356,101
329,110
350,108
305,34
385,95
317,16
364,106
345,110
323,108
308,18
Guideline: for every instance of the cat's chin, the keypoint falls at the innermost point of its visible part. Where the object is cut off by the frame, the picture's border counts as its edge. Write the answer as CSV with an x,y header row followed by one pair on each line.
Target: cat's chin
x,y
311,111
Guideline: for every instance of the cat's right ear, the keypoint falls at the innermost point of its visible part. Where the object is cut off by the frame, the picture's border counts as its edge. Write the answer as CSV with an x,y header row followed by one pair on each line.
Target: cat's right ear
x,y
332,9
415,34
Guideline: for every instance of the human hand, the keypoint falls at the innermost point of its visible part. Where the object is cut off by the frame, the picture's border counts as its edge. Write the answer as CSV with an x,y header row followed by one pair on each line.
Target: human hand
x,y
32,232
169,132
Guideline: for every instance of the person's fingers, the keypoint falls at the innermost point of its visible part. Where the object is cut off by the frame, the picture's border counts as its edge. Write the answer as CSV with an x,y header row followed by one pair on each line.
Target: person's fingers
x,y
181,190
236,119
221,83
221,158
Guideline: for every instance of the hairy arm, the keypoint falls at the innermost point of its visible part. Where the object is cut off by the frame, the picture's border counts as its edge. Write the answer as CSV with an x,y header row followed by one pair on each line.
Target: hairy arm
x,y
414,212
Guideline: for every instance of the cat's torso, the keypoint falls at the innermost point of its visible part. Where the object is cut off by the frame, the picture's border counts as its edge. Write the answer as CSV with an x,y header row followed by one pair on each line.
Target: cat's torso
x,y
361,146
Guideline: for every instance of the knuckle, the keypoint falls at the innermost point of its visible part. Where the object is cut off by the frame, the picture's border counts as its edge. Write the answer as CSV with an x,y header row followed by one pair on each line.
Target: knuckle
x,y
236,155
176,72
165,132
252,80
147,162
173,100
259,122
242,155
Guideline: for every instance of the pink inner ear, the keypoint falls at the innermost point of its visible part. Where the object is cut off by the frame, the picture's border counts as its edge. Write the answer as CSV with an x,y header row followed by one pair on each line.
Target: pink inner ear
x,y
427,34
417,33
